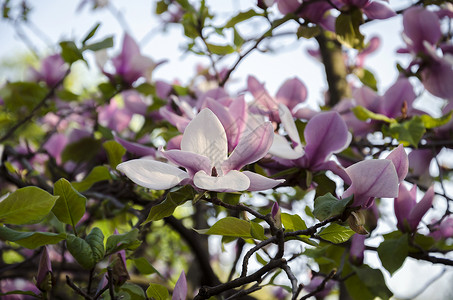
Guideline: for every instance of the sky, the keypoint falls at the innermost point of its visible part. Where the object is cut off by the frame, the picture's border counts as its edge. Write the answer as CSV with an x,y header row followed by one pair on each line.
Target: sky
x,y
59,20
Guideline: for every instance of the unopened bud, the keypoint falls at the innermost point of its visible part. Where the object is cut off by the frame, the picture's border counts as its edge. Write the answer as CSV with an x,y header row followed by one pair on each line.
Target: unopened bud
x,y
44,280
356,221
275,214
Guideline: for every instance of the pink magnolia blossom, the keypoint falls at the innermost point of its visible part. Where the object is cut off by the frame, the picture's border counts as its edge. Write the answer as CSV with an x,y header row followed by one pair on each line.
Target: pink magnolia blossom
x,y
372,9
376,178
408,211
444,230
204,156
292,93
130,64
53,69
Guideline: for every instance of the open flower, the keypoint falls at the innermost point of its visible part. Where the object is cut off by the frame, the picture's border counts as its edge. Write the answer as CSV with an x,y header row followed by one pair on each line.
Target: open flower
x,y
204,156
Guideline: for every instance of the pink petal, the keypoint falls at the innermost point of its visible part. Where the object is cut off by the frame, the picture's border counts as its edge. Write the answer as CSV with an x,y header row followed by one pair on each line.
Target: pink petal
x,y
420,209
250,148
136,148
403,205
291,93
261,183
325,134
399,158
393,99
192,162
206,136
421,25
378,11
372,178
180,291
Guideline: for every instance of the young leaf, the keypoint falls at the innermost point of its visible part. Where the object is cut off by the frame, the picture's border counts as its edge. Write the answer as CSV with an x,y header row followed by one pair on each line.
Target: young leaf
x,y
408,133
327,206
336,234
115,152
373,283
118,242
99,173
393,253
366,77
240,17
257,231
144,267
28,205
69,52
347,29
104,44
293,222
91,33
220,49
364,114
82,150
96,241
430,122
81,251
229,226
30,240
157,292
168,206
70,206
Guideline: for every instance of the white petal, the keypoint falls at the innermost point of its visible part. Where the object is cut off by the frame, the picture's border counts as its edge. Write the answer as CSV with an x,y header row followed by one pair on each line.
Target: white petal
x,y
281,148
231,182
206,136
288,122
152,174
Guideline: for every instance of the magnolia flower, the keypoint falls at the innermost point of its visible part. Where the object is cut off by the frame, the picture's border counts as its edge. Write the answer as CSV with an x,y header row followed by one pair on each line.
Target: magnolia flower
x,y
408,212
180,291
377,178
372,9
290,94
443,230
53,69
325,134
130,64
204,155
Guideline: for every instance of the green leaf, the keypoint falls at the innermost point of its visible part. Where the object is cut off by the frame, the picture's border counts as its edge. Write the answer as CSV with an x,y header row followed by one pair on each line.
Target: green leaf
x,y
70,206
168,206
408,133
81,251
161,7
336,233
366,77
328,206
144,267
308,32
83,150
117,242
293,222
393,253
367,284
347,28
17,95
261,260
229,226
104,44
230,198
430,122
146,89
67,95
237,38
30,240
240,17
28,205
69,52
220,49
99,173
91,33
96,241
157,292
364,114
257,231
423,241
115,152
325,185
128,291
